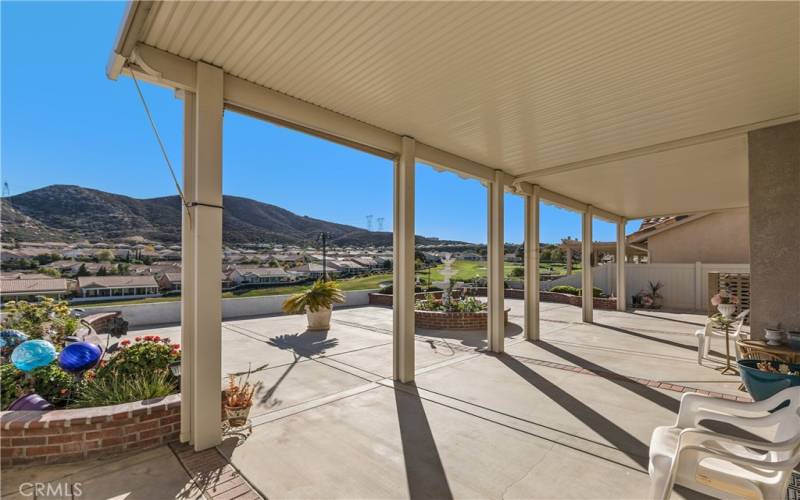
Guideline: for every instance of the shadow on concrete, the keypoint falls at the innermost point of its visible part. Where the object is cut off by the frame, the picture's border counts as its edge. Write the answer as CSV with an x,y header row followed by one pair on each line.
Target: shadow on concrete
x,y
666,318
475,339
302,345
623,381
655,339
425,473
611,432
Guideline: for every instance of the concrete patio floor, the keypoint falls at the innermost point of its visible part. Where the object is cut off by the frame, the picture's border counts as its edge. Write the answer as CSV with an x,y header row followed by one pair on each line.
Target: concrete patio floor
x,y
569,416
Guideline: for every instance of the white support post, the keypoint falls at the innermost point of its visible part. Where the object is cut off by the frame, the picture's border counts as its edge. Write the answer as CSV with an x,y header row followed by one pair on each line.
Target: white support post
x,y
206,233
494,267
403,328
586,266
622,295
532,265
187,270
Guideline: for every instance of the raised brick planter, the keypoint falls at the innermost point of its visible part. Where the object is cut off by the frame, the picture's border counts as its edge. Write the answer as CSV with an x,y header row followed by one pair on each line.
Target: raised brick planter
x,y
59,436
576,300
387,299
437,320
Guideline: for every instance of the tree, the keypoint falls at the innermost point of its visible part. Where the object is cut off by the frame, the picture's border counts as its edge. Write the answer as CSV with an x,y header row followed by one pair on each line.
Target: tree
x,y
518,272
82,271
55,273
102,271
274,263
105,254
123,269
520,251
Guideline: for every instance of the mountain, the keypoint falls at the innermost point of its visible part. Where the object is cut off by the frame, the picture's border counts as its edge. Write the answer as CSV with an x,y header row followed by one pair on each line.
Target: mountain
x,y
74,213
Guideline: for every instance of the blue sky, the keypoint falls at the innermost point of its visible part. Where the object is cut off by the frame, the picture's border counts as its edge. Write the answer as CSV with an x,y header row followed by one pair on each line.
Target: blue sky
x,y
64,122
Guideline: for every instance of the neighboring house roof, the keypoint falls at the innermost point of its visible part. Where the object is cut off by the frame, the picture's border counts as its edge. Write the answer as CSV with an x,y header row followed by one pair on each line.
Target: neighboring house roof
x,y
347,264
654,225
264,272
19,286
25,276
116,281
172,277
313,267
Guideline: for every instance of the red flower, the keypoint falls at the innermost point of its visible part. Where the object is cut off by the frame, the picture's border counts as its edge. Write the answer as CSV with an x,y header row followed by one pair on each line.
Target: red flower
x,y
138,339
156,338
148,337
176,346
125,342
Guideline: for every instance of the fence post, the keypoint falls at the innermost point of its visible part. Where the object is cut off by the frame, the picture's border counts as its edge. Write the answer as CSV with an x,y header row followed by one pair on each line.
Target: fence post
x,y
713,287
698,286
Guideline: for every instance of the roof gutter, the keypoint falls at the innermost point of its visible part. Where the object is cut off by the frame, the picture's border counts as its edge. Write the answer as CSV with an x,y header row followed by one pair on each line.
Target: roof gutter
x,y
128,36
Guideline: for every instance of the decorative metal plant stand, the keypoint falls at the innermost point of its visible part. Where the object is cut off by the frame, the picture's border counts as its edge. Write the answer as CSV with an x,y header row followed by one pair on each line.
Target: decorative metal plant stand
x,y
726,323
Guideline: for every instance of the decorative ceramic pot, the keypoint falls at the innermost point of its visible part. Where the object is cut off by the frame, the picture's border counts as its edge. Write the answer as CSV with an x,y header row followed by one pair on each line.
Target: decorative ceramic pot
x,y
237,415
319,320
760,384
774,337
727,310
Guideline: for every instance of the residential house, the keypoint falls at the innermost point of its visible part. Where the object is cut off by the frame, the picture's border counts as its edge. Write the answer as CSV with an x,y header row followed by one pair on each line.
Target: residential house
x,y
107,287
369,262
469,256
259,276
710,237
29,289
348,267
313,270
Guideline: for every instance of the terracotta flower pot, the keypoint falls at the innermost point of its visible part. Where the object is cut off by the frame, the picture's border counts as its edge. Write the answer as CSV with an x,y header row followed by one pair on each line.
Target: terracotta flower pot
x,y
319,320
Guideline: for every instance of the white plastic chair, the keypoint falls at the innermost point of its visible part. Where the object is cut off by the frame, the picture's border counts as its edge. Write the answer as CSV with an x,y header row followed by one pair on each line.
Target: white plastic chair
x,y
704,335
722,465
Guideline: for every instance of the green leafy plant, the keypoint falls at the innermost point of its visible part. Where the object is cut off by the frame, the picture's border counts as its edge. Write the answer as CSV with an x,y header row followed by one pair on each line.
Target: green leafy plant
x,y
147,354
50,382
45,318
125,388
322,295
571,290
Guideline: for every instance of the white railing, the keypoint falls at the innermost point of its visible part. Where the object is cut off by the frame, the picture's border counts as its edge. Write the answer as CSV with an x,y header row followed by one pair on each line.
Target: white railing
x,y
685,285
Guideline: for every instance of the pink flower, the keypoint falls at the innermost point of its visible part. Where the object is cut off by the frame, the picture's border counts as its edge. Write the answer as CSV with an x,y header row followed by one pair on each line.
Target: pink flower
x,y
157,338
138,339
176,346
125,342
716,300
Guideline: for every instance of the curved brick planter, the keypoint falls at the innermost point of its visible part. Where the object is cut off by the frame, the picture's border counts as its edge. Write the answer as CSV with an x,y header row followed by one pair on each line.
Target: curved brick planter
x,y
58,436
436,320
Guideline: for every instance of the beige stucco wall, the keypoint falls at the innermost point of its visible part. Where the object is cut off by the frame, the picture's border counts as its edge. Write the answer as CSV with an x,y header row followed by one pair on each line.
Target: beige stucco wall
x,y
774,210
719,238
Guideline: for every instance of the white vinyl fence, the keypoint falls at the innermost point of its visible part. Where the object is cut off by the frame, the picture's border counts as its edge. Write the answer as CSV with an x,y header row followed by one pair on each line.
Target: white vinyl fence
x,y
685,285
162,313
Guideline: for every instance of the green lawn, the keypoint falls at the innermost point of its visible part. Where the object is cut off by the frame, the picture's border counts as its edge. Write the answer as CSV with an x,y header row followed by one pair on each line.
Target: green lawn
x,y
467,269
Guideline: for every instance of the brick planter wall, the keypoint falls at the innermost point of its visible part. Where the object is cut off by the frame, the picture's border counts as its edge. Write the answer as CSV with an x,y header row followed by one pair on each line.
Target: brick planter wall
x,y
382,299
436,320
576,300
59,436
387,299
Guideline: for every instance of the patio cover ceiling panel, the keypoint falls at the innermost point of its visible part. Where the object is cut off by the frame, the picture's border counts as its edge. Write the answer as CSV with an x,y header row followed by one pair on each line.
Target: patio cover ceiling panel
x,y
518,86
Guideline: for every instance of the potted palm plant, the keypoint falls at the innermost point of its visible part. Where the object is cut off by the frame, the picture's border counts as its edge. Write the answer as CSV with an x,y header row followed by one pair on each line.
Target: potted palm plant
x,y
317,302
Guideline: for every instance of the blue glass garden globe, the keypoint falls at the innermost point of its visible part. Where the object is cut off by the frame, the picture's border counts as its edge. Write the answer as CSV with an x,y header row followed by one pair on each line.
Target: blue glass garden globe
x,y
33,354
11,338
79,356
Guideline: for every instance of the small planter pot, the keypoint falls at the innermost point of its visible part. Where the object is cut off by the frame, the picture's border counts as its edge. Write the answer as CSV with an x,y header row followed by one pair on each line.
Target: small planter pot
x,y
319,320
727,310
236,416
773,337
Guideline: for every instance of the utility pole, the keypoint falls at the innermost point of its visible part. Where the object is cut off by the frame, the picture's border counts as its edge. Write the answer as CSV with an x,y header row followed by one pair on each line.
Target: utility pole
x,y
324,237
